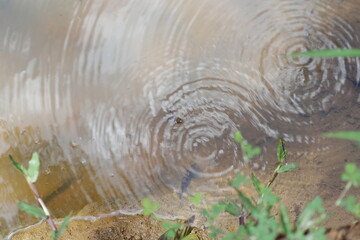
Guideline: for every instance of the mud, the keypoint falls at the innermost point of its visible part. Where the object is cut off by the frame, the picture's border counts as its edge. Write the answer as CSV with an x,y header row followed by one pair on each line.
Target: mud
x,y
139,227
119,226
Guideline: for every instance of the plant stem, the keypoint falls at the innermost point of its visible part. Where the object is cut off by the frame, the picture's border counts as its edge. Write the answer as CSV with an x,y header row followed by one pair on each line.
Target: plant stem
x,y
281,163
34,190
275,174
342,195
43,206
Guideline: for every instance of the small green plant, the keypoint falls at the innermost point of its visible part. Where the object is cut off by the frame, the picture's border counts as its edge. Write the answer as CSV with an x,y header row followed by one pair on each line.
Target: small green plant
x,y
256,221
351,175
256,215
282,166
149,207
31,174
248,151
173,230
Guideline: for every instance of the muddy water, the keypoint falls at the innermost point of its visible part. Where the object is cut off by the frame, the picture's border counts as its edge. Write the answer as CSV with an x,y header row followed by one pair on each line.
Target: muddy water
x,y
98,88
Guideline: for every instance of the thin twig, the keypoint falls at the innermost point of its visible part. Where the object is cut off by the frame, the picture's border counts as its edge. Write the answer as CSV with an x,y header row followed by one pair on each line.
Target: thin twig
x,y
342,195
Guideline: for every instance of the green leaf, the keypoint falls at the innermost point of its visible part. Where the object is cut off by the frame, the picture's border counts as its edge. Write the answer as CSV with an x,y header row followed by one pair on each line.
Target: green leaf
x,y
215,211
171,225
285,220
232,208
191,236
268,199
350,135
238,137
32,210
53,235
18,166
329,53
287,168
173,232
64,223
305,220
149,207
33,170
265,228
56,235
214,232
259,187
32,173
351,206
281,151
248,205
351,174
239,181
196,199
250,151
170,234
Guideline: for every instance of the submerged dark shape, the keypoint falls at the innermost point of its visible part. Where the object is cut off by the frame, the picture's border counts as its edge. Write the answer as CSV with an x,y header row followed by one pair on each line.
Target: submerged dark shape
x,y
179,120
190,174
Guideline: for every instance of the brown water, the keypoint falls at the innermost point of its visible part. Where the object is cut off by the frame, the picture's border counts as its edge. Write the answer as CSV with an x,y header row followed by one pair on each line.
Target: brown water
x,y
95,87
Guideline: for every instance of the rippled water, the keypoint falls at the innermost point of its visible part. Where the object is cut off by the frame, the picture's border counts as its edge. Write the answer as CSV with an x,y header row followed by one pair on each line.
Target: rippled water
x,y
97,87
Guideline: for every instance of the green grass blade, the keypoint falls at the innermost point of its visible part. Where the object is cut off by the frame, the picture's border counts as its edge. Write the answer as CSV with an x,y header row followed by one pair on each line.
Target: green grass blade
x,y
246,202
285,220
232,208
348,135
34,165
56,235
313,208
259,187
32,210
65,223
18,166
329,53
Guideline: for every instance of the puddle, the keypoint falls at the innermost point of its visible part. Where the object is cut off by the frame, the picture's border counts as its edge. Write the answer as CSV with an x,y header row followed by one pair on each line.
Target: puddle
x,y
122,98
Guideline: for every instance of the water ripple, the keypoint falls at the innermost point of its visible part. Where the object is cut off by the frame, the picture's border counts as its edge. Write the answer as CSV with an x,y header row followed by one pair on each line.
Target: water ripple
x,y
127,96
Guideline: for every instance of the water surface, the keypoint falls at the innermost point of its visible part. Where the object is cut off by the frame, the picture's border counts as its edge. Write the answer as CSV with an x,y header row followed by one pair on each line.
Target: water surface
x,y
96,88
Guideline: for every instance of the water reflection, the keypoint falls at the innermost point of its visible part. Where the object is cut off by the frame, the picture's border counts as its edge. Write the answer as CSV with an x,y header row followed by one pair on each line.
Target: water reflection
x,y
95,88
